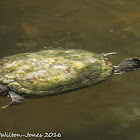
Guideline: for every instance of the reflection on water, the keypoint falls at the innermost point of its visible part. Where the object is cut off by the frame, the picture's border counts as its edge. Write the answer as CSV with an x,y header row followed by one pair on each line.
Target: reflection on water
x,y
110,110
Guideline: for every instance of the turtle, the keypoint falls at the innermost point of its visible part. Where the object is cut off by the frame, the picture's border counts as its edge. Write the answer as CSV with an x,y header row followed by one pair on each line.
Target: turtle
x,y
56,70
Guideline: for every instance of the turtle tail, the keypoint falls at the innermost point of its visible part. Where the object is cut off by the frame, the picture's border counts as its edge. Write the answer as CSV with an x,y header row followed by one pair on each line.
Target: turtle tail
x,y
127,65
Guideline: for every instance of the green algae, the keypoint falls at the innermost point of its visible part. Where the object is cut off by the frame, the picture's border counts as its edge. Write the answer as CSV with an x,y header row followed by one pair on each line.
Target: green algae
x,y
130,28
62,70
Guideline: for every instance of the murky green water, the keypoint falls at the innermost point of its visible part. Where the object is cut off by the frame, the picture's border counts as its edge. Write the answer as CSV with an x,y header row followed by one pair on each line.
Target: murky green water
x,y
107,111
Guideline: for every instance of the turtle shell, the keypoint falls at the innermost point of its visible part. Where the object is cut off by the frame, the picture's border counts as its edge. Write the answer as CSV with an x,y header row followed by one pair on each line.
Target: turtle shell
x,y
53,71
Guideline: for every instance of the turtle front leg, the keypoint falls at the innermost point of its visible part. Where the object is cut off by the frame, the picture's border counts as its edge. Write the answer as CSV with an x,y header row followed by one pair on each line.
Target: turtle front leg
x,y
16,99
108,54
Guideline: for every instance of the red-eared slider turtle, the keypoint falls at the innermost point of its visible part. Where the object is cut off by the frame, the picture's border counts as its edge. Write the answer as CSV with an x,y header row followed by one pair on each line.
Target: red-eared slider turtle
x,y
54,71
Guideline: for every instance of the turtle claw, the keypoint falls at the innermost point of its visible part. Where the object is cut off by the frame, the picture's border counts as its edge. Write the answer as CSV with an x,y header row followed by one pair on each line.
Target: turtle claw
x,y
10,104
3,107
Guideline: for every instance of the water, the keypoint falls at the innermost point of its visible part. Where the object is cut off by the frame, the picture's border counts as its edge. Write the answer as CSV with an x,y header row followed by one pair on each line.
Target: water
x,y
110,110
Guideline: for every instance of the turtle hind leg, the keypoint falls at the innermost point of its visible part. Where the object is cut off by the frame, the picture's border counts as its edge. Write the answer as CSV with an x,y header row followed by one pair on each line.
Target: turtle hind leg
x,y
4,90
108,54
16,99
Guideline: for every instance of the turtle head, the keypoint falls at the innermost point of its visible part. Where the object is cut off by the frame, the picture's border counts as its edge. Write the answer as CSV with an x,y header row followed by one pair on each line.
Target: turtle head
x,y
4,90
127,65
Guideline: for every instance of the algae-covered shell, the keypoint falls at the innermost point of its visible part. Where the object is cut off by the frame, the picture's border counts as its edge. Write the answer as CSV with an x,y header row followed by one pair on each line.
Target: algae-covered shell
x,y
53,71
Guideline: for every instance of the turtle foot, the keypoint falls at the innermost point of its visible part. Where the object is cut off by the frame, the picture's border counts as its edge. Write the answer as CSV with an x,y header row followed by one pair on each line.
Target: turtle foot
x,y
16,99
